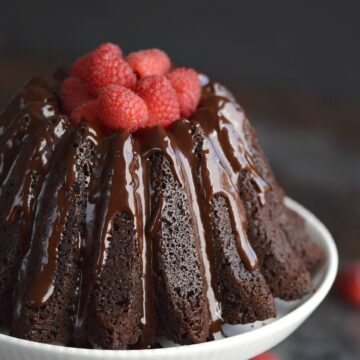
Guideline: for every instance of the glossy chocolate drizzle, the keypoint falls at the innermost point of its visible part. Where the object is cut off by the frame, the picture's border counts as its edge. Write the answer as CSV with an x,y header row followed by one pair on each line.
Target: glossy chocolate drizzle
x,y
207,154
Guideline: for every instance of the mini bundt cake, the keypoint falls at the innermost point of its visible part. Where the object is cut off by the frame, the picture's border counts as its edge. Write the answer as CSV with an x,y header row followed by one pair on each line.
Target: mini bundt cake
x,y
137,202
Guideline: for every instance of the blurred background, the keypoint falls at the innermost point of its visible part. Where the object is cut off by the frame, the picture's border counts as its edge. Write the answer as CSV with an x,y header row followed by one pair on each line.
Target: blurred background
x,y
294,66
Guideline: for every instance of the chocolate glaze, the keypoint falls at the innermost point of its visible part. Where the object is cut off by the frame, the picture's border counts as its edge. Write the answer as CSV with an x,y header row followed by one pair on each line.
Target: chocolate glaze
x,y
31,128
207,154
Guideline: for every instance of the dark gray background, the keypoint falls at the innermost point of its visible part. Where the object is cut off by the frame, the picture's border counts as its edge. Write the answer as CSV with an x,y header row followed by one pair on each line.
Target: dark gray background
x,y
294,65
303,44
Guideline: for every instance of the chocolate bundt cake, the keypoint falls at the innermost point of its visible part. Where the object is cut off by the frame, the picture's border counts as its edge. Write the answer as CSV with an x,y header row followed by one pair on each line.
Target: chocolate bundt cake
x,y
111,238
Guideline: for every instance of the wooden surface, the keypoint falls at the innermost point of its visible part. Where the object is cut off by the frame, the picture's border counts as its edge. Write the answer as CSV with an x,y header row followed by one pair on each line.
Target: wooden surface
x,y
313,144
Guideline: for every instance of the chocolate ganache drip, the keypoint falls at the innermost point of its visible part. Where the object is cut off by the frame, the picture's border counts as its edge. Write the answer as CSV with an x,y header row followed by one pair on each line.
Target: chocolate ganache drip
x,y
207,154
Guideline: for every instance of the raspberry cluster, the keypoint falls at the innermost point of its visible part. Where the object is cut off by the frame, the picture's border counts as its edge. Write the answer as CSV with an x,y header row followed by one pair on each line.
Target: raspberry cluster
x,y
130,93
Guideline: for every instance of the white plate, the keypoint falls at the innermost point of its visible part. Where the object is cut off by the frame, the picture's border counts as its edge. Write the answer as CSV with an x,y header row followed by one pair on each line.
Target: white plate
x,y
244,341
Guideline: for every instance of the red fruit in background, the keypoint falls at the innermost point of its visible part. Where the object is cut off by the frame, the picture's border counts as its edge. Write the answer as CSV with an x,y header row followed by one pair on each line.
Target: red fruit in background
x,y
121,108
106,68
266,356
149,62
87,111
188,88
73,92
160,98
348,283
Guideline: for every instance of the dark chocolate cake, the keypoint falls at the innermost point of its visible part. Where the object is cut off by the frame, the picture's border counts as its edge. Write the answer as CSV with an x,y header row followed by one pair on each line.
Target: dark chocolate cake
x,y
108,240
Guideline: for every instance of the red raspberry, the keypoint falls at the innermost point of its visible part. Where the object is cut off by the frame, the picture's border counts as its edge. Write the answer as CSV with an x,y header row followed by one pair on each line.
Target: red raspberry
x,y
187,85
121,108
149,62
80,67
160,98
87,111
107,68
348,284
266,356
73,92
111,48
